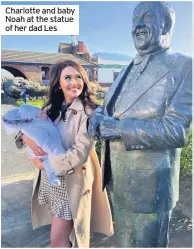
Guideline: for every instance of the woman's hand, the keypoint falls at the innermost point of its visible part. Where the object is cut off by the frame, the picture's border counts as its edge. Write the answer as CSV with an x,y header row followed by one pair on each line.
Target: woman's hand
x,y
33,146
42,115
37,162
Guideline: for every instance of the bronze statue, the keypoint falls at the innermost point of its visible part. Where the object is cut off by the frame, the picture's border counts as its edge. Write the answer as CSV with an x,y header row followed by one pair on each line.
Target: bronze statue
x,y
143,125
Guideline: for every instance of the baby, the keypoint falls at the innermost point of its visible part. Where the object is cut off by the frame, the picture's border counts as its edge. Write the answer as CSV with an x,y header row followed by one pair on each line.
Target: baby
x,y
43,132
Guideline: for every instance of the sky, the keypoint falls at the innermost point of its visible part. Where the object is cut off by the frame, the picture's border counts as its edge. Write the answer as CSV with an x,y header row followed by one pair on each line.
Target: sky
x,y
106,27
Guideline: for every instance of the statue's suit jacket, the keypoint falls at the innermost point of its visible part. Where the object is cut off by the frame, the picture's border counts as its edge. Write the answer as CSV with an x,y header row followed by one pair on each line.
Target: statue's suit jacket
x,y
155,118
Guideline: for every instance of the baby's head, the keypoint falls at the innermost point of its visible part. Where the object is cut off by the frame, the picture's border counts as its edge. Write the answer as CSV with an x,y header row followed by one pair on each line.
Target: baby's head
x,y
20,116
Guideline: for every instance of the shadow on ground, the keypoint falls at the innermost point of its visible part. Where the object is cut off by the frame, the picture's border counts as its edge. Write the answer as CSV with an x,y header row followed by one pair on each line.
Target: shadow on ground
x,y
16,229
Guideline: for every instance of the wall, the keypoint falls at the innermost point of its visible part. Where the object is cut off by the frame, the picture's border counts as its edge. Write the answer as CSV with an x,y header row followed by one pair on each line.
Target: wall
x,y
108,70
31,72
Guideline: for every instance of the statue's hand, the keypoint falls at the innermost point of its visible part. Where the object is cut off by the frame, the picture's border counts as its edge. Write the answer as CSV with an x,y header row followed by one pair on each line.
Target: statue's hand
x,y
100,109
109,128
93,125
103,127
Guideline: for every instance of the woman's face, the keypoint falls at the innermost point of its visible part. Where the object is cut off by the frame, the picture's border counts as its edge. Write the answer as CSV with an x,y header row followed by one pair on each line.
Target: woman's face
x,y
71,83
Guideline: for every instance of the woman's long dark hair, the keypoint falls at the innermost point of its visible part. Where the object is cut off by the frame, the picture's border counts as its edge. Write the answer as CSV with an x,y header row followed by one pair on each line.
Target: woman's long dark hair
x,y
56,96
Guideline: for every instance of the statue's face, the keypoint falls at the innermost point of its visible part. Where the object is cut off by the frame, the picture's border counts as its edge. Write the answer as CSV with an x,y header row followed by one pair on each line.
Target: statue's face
x,y
147,27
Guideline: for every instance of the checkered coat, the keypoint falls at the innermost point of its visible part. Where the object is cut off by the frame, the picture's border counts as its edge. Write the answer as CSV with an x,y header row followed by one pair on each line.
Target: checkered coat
x,y
89,205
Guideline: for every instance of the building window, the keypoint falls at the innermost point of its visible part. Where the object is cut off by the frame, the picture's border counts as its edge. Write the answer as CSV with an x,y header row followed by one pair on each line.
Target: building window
x,y
43,75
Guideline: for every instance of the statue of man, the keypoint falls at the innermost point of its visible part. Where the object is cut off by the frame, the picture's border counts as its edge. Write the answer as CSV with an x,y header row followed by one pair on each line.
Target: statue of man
x,y
143,125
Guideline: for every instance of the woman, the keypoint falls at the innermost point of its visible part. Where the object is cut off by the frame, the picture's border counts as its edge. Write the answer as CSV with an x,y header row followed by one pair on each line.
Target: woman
x,y
78,205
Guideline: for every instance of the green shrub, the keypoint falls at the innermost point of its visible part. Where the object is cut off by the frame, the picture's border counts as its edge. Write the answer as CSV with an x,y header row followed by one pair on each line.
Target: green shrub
x,y
98,149
37,102
95,87
97,93
186,157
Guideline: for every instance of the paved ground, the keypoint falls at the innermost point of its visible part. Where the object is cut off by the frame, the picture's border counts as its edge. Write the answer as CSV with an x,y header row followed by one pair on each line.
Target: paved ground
x,y
13,161
17,231
16,191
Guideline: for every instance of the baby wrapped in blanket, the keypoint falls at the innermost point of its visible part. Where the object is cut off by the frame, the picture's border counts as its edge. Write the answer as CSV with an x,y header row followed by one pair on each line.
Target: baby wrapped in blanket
x,y
43,132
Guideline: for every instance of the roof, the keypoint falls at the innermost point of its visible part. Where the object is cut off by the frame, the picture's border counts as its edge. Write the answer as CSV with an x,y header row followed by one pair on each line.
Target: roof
x,y
80,48
64,45
65,48
43,58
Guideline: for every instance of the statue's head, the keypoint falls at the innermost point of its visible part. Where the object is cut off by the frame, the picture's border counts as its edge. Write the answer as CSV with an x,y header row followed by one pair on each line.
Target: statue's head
x,y
152,28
